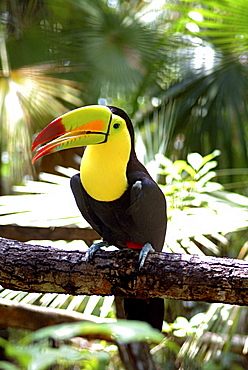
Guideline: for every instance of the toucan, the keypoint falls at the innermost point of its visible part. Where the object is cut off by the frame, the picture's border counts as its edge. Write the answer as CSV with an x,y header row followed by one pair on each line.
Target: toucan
x,y
113,191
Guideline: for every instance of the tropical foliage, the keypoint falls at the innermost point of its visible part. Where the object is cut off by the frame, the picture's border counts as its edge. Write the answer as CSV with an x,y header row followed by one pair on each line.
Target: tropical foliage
x,y
35,351
58,55
192,196
180,70
180,67
210,94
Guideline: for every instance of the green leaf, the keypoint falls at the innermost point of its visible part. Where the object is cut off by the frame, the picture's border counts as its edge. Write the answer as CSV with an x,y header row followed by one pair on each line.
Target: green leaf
x,y
181,166
121,331
211,156
205,179
43,358
40,357
195,160
4,365
197,319
206,168
16,352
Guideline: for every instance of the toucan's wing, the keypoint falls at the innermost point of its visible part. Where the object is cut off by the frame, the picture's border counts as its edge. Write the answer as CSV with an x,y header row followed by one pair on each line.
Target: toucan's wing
x,y
148,210
83,205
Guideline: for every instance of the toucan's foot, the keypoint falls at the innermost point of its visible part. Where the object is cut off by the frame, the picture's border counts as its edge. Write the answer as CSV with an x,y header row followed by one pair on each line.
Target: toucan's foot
x,y
89,256
143,254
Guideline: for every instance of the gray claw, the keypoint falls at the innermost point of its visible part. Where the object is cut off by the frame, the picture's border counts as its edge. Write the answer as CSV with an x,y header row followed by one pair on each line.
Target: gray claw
x,y
89,255
143,254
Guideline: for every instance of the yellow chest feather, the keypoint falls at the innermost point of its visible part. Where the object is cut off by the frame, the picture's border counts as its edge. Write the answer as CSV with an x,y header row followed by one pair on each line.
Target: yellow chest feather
x,y
103,170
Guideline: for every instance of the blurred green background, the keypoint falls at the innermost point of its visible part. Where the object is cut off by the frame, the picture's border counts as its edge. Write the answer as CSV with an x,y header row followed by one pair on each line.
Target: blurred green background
x,y
180,70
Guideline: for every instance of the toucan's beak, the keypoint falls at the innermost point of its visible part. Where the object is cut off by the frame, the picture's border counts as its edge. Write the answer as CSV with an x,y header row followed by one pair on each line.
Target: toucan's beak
x,y
80,127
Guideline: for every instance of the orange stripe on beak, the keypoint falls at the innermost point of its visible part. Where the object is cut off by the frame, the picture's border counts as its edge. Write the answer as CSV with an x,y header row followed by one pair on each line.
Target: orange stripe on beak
x,y
97,125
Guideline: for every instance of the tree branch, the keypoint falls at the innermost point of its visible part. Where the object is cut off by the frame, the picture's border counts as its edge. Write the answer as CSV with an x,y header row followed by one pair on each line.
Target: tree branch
x,y
25,233
36,268
30,317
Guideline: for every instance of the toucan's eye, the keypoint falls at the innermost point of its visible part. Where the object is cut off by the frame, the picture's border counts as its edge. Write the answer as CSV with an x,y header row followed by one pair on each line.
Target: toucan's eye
x,y
116,125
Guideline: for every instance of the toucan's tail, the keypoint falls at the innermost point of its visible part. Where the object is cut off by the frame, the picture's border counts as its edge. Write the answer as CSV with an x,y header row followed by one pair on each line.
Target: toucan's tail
x,y
150,310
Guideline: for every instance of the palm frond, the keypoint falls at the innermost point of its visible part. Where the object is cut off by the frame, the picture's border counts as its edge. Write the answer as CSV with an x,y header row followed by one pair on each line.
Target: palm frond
x,y
223,321
210,108
197,206
29,99
154,132
33,208
210,95
223,23
197,209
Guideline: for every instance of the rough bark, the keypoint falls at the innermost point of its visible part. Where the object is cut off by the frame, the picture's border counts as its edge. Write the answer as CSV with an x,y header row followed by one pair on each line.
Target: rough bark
x,y
35,268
